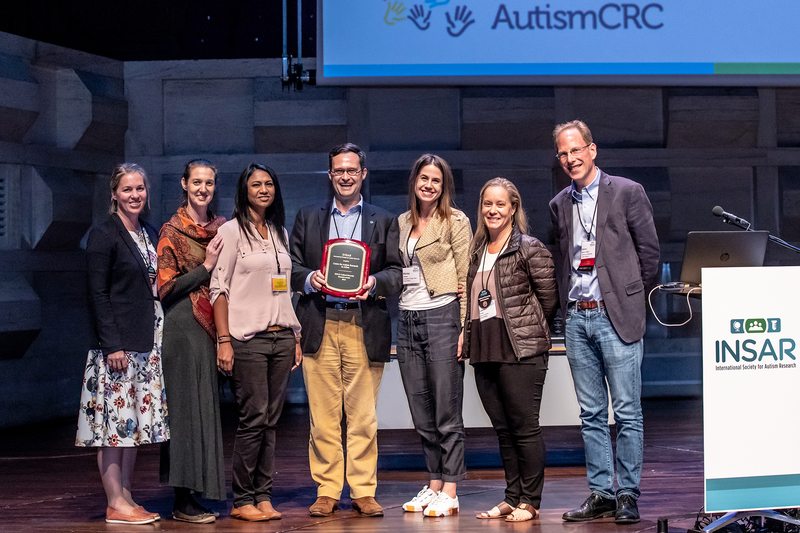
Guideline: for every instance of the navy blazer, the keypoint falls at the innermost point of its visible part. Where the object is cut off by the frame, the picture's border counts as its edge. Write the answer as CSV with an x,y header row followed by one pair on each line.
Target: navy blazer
x,y
380,230
627,251
120,294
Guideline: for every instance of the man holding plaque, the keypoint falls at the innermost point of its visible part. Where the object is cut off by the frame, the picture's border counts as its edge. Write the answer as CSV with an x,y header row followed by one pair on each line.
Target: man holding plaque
x,y
604,230
346,328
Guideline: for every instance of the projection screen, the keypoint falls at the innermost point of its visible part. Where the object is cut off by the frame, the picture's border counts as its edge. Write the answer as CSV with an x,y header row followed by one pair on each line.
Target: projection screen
x,y
487,42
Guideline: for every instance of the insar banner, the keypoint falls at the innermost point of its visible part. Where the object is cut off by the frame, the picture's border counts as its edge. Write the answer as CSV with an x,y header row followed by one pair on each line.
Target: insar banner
x,y
751,388
377,39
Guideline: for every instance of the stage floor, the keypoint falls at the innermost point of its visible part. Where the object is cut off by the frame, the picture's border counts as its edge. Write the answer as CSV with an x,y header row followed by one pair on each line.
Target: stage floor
x,y
46,484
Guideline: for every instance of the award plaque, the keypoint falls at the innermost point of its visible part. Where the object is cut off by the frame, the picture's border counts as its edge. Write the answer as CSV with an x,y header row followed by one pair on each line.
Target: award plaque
x,y
345,265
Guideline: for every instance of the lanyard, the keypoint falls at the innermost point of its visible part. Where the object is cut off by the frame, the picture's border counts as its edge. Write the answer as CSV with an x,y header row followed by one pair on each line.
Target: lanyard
x,y
414,251
268,227
333,217
483,261
151,272
580,218
274,247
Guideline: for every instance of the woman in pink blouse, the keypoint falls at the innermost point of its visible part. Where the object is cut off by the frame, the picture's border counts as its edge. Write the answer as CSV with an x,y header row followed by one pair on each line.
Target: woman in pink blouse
x,y
258,332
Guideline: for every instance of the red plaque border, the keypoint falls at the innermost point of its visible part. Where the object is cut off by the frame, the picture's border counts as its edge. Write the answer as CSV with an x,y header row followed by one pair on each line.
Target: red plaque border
x,y
364,270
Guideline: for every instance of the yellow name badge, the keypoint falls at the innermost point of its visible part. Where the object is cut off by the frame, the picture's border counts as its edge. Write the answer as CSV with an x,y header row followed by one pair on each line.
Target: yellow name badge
x,y
279,283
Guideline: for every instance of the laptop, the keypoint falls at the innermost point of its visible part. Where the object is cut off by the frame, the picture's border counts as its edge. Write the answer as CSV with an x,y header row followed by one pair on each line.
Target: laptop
x,y
707,249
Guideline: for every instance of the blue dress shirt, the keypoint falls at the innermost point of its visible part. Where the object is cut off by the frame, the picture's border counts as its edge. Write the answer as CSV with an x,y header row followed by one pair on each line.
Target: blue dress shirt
x,y
584,285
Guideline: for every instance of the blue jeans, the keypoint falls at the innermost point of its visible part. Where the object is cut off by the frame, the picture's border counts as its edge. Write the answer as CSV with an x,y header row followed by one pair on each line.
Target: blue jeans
x,y
598,356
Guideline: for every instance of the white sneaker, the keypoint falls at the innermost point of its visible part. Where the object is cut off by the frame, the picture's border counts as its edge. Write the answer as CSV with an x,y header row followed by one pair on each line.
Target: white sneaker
x,y
420,501
442,505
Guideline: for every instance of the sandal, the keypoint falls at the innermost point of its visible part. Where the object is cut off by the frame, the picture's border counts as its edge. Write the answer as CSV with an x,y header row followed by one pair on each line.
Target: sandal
x,y
523,513
501,510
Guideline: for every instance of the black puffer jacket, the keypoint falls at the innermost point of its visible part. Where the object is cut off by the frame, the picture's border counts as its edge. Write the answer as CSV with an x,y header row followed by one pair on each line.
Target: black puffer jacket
x,y
526,280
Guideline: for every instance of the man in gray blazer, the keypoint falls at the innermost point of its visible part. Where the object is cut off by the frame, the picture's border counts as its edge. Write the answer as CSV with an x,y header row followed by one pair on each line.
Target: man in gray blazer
x,y
345,341
608,259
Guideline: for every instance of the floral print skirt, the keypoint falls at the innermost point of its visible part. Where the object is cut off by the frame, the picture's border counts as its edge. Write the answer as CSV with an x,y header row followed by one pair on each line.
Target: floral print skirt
x,y
124,409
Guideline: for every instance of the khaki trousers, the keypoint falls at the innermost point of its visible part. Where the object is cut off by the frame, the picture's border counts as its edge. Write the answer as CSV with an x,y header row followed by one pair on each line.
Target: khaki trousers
x,y
340,379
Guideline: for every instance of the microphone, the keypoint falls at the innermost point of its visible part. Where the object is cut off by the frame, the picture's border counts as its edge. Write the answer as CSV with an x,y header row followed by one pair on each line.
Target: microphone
x,y
730,218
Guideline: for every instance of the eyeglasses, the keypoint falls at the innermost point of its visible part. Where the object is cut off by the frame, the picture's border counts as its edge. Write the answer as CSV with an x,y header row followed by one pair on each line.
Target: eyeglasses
x,y
352,172
575,152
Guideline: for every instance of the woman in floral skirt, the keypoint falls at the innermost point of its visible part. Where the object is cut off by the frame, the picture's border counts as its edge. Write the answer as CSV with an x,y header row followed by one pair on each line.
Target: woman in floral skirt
x,y
123,404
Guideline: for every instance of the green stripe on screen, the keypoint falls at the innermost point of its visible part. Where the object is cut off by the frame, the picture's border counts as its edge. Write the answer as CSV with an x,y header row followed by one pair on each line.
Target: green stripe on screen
x,y
756,68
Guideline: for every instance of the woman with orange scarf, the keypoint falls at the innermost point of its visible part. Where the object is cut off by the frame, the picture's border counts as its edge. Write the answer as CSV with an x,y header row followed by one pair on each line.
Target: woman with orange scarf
x,y
188,249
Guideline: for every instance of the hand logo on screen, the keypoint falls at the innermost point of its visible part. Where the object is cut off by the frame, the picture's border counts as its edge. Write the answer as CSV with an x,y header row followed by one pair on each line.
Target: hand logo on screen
x,y
462,21
418,12
434,3
393,12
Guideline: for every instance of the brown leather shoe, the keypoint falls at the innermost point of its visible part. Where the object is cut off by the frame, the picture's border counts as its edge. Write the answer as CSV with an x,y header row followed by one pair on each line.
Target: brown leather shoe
x,y
115,517
367,506
324,506
250,513
142,511
268,510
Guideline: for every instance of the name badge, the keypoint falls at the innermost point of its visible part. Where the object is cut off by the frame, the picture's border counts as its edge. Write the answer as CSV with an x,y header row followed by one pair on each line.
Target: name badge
x,y
411,275
486,308
587,256
279,283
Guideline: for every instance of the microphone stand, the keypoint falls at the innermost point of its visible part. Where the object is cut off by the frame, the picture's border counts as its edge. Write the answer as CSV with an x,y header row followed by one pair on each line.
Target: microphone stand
x,y
747,227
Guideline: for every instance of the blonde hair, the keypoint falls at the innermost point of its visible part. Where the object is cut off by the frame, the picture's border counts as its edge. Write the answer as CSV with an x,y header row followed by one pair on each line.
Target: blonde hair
x,y
579,125
120,171
446,201
518,219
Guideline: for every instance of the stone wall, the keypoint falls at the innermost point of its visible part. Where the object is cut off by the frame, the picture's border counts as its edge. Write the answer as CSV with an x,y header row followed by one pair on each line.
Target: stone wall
x,y
63,117
66,118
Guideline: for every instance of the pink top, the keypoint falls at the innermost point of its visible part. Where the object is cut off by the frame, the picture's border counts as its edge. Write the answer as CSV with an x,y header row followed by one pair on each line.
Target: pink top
x,y
244,275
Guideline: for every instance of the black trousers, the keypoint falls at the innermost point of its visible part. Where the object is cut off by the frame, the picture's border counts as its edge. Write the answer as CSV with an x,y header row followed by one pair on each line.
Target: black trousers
x,y
511,394
433,378
261,368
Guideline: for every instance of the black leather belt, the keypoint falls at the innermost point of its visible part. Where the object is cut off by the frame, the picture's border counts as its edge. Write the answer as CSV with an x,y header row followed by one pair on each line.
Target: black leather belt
x,y
341,306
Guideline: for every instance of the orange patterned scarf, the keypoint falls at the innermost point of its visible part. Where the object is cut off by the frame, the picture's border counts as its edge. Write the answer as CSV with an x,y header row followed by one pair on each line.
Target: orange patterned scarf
x,y
182,248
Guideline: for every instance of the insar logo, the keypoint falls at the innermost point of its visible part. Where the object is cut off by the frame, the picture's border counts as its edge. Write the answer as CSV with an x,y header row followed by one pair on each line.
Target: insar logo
x,y
757,348
755,325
